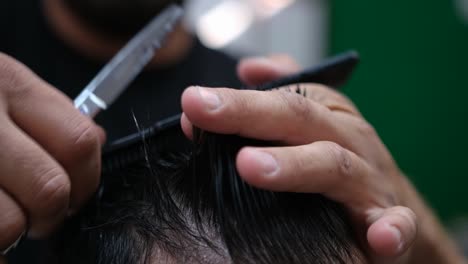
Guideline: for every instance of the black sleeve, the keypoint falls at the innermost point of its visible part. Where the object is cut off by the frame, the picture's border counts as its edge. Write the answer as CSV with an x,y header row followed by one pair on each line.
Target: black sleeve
x,y
6,25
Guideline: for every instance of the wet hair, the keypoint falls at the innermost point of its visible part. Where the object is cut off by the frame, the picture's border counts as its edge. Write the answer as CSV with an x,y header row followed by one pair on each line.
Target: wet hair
x,y
117,19
191,206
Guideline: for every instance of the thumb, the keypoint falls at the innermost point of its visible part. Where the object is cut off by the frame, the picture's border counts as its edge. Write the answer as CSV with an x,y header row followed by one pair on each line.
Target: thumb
x,y
391,234
259,70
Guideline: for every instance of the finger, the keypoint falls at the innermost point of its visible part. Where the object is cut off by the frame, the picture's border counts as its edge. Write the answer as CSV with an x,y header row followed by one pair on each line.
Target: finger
x,y
259,70
279,115
33,179
392,232
12,221
50,118
356,133
187,126
320,167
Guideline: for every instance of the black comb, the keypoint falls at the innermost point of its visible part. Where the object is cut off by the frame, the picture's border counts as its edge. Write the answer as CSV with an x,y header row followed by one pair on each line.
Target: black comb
x,y
333,72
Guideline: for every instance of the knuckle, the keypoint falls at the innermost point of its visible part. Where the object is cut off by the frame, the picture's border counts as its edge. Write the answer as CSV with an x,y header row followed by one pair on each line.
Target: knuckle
x,y
298,104
240,102
365,129
342,160
240,105
53,191
294,172
331,98
83,142
11,77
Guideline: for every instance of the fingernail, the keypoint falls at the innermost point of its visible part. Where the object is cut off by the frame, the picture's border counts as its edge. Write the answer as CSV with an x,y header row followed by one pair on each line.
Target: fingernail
x,y
210,99
267,163
268,62
398,238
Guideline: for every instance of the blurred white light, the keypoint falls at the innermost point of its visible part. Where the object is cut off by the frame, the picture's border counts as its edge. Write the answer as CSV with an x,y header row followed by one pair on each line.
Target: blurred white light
x,y
224,23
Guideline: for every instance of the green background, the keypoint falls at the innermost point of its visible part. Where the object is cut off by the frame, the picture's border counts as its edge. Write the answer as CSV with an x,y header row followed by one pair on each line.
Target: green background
x,y
412,85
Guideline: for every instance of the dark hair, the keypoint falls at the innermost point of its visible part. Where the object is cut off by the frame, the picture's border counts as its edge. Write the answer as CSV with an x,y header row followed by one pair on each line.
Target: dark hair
x,y
192,207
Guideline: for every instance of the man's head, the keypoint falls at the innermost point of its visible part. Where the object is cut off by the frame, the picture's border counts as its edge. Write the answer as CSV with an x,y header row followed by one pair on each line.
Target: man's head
x,y
117,18
194,208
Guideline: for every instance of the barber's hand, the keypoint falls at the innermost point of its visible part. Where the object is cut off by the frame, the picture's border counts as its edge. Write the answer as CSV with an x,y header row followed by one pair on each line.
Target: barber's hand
x,y
49,154
328,148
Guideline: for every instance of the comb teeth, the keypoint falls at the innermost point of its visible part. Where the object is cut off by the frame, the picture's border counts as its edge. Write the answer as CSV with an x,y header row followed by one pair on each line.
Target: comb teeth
x,y
122,159
131,149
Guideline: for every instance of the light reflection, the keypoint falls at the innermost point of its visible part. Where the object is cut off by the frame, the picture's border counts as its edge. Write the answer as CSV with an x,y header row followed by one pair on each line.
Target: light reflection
x,y
224,23
229,19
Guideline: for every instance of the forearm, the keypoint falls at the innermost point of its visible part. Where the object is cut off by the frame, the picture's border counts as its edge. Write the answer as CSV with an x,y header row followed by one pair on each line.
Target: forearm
x,y
433,244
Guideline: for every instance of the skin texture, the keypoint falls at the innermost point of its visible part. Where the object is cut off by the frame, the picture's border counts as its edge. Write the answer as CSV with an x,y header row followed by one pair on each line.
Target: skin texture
x,y
326,147
41,181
